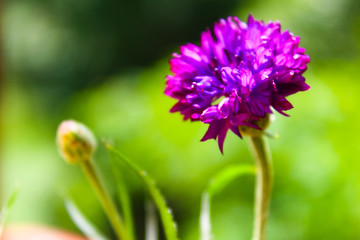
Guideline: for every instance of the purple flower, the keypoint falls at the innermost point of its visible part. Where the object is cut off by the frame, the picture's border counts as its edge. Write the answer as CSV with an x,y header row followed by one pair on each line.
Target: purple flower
x,y
238,74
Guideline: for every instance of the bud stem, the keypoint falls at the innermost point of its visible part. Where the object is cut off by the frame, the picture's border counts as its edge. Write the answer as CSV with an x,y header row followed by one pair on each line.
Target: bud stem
x,y
106,201
264,180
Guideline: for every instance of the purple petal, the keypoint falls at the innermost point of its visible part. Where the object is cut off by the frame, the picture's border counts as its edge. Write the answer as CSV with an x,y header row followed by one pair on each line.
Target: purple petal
x,y
235,129
213,130
222,135
209,114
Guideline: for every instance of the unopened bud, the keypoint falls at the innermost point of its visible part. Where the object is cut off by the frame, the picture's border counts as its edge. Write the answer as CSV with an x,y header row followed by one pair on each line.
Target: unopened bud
x,y
76,143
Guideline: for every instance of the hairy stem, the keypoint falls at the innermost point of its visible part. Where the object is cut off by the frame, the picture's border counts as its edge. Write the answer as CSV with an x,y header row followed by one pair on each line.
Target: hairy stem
x,y
264,181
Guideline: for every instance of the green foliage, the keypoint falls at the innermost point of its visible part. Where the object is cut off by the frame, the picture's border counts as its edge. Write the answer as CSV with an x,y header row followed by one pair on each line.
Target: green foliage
x,y
224,177
123,198
164,211
221,180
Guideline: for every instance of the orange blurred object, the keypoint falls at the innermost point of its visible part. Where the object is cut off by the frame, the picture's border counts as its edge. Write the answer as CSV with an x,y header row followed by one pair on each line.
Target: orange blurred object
x,y
37,232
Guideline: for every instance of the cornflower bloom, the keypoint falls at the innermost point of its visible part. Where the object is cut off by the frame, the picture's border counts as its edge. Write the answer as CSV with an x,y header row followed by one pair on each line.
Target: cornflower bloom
x,y
237,76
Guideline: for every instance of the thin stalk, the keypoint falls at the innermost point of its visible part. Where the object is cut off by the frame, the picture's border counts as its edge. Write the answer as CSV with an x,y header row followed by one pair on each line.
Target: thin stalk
x,y
125,202
106,201
264,181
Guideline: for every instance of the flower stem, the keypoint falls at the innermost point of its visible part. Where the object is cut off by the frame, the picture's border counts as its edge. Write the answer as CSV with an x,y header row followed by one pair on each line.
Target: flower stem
x,y
264,180
106,201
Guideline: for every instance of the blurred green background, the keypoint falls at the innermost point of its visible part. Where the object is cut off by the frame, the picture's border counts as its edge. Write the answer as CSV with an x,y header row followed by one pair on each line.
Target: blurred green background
x,y
103,62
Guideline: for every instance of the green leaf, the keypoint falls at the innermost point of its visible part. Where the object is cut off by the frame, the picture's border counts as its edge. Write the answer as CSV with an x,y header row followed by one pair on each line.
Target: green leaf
x,y
5,210
216,184
124,199
164,212
81,222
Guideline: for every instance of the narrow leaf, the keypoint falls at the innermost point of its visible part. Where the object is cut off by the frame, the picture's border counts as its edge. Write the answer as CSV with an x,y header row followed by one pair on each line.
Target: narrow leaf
x,y
124,200
82,223
164,212
222,179
5,210
151,226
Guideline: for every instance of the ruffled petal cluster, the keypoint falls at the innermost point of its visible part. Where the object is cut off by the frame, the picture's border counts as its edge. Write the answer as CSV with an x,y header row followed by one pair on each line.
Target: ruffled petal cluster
x,y
238,74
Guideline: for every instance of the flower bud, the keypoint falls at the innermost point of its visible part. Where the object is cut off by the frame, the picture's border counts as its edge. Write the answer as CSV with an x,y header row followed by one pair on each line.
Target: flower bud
x,y
76,143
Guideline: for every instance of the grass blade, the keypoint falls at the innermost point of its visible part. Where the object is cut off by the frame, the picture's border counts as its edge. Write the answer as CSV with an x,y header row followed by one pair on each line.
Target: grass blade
x,y
124,200
164,212
222,179
82,223
5,210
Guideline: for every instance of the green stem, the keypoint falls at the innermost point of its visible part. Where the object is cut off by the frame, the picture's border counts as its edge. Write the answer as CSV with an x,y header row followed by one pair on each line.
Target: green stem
x,y
106,201
264,180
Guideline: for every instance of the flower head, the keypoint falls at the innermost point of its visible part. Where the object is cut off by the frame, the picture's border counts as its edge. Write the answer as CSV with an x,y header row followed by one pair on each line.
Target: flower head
x,y
75,141
238,74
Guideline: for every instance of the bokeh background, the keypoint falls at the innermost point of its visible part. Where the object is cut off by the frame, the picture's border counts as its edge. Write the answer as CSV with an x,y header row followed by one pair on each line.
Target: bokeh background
x,y
103,62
